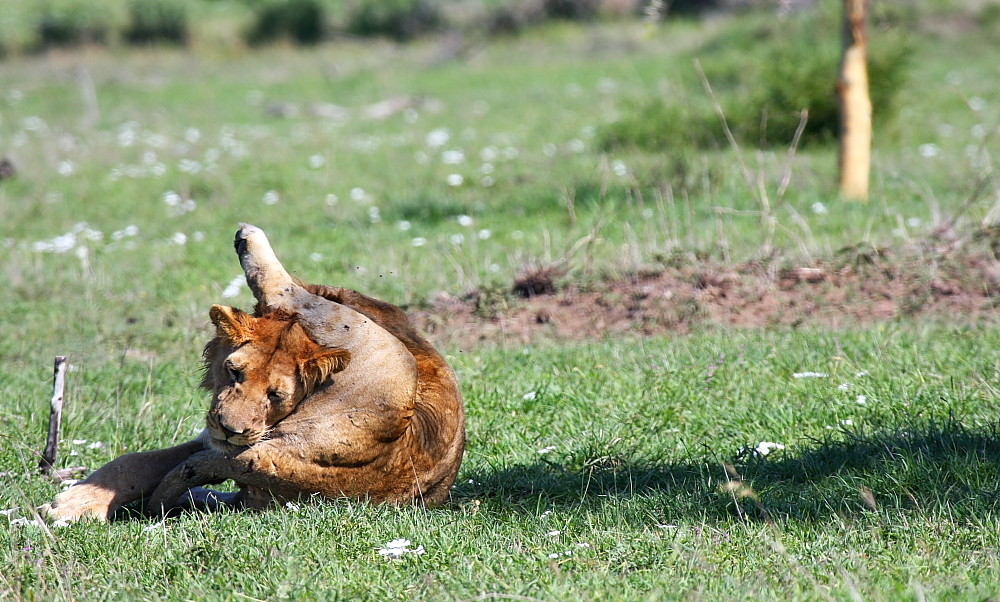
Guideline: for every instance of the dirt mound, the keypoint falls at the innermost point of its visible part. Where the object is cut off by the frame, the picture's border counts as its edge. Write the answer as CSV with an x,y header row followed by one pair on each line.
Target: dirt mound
x,y
861,287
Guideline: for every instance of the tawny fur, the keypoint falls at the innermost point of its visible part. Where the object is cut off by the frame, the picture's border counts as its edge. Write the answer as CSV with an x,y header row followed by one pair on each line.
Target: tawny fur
x,y
325,391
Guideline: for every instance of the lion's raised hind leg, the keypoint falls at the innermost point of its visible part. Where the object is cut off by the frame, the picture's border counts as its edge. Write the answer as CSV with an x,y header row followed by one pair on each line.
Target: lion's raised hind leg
x,y
265,275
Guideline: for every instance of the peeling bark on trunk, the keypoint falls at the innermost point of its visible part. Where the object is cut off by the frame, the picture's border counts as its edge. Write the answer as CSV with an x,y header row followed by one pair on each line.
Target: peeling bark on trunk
x,y
855,104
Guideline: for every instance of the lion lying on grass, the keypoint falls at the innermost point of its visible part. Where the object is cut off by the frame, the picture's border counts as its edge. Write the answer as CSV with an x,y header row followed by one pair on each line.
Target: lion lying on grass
x,y
322,391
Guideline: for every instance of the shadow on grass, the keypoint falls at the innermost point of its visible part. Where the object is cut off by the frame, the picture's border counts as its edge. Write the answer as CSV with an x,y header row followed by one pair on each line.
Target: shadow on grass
x,y
933,469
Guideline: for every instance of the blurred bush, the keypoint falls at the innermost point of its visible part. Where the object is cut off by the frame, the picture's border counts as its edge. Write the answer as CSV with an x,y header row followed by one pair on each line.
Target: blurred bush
x,y
299,21
397,19
67,23
157,21
574,10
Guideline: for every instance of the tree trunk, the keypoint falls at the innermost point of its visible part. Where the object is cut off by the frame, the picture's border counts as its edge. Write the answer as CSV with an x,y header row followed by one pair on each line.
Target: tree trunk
x,y
855,105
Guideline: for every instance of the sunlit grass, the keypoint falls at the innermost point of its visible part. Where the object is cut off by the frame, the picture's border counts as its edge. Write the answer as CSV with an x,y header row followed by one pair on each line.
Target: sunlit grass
x,y
619,469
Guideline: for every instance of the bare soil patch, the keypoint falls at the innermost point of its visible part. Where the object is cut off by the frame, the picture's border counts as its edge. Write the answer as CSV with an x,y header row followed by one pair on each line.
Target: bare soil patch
x,y
857,288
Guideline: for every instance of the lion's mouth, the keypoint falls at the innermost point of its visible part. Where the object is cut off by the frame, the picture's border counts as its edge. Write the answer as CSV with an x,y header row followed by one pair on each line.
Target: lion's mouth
x,y
229,442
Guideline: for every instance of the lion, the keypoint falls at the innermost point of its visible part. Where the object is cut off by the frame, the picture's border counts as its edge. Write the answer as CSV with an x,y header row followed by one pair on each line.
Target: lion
x,y
322,391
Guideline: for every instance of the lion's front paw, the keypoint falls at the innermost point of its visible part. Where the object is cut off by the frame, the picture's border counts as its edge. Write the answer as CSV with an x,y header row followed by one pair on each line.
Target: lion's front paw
x,y
81,501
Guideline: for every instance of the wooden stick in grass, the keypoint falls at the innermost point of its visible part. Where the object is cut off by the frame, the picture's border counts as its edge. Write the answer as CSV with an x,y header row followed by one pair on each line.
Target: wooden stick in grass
x,y
55,415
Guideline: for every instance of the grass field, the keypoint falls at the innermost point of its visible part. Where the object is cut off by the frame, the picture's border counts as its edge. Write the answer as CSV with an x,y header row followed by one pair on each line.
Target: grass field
x,y
601,469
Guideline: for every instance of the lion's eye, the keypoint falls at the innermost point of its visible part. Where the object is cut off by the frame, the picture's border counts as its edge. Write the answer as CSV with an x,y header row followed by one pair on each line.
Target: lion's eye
x,y
274,397
235,374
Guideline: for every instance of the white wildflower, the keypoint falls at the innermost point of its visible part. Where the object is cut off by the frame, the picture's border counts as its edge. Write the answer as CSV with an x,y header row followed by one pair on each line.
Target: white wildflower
x,y
929,150
66,168
404,225
438,138
483,234
452,157
765,447
819,208
553,533
862,400
843,386
154,526
316,257
179,238
547,450
419,241
529,395
270,197
233,288
59,244
455,179
189,166
464,220
398,548
810,375
317,161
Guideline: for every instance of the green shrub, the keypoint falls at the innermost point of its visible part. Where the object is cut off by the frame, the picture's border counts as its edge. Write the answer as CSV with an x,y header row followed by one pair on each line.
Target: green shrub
x,y
657,125
69,23
157,21
300,21
764,76
397,19
800,72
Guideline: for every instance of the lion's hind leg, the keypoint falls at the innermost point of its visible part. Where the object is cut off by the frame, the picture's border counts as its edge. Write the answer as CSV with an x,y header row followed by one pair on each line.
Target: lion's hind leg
x,y
119,482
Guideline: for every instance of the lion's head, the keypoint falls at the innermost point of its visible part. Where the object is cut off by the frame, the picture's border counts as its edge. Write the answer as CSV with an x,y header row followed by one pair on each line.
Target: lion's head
x,y
259,369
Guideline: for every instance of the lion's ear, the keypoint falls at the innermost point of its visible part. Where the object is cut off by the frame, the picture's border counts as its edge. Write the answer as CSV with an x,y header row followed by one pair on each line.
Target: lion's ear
x,y
321,365
231,324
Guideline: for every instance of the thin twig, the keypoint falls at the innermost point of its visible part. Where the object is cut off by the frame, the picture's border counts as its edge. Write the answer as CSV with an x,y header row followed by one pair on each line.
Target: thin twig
x,y
55,415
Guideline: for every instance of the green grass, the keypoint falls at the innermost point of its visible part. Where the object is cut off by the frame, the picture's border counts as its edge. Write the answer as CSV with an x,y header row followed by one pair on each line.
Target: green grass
x,y
641,433
642,429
